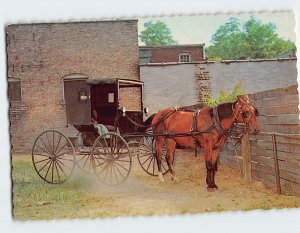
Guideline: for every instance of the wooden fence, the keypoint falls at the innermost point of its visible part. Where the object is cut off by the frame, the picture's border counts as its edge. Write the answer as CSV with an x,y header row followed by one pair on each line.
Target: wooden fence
x,y
272,156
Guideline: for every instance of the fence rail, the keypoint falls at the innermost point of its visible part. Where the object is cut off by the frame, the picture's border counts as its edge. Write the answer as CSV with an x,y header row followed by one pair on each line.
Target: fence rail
x,y
275,159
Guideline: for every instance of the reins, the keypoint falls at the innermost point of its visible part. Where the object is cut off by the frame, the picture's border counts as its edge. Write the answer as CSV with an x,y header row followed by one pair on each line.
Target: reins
x,y
152,125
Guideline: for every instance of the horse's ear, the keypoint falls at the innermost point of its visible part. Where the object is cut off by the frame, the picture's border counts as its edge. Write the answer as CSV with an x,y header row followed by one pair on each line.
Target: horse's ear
x,y
243,99
256,111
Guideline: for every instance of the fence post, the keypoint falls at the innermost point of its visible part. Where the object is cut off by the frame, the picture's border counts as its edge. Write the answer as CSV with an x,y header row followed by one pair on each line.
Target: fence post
x,y
277,174
246,158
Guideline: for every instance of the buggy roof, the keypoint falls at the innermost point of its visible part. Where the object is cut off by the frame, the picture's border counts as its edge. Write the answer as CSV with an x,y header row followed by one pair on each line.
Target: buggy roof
x,y
99,81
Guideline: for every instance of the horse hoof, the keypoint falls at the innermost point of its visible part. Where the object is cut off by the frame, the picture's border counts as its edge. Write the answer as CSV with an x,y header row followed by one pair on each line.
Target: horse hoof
x,y
210,189
161,178
175,179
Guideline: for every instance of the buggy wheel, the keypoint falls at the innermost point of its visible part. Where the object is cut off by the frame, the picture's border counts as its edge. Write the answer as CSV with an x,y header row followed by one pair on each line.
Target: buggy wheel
x,y
146,157
53,157
111,159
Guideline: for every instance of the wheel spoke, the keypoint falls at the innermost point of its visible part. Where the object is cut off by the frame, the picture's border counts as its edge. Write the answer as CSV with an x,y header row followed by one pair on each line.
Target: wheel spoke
x,y
44,166
57,172
52,171
150,157
48,169
42,160
119,171
48,156
149,163
113,166
46,151
58,160
61,169
49,143
62,147
60,136
46,147
121,166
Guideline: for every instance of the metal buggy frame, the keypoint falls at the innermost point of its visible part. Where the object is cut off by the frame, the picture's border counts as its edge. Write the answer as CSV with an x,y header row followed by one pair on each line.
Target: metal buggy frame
x,y
108,156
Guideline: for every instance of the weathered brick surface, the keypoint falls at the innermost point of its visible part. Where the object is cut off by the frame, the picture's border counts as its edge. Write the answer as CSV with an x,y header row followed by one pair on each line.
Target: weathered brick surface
x,y
171,53
130,98
42,54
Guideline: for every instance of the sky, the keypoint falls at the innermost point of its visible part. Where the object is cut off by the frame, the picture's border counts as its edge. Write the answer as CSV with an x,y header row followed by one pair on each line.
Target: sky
x,y
198,29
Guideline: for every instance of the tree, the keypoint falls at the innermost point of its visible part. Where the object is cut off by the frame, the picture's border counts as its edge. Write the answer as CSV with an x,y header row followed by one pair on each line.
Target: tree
x,y
252,39
157,34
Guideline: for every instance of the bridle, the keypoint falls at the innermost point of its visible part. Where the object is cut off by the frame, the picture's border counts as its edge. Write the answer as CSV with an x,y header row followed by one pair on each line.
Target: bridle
x,y
244,114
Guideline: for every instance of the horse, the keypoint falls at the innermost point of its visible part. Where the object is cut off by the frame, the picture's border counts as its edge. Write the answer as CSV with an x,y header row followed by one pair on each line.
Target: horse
x,y
206,127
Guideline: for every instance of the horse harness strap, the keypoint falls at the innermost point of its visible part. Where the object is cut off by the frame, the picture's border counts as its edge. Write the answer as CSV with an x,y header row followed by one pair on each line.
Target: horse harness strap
x,y
194,122
194,128
216,121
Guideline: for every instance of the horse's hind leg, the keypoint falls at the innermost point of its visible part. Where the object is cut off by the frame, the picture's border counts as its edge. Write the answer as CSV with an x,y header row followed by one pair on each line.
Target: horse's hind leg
x,y
159,141
171,146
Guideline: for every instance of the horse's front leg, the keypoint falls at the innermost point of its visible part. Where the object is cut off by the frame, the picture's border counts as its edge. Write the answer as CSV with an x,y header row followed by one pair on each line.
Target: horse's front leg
x,y
171,146
214,164
207,147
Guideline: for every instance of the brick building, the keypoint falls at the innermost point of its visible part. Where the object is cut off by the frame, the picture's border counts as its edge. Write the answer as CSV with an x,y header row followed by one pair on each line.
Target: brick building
x,y
41,56
172,53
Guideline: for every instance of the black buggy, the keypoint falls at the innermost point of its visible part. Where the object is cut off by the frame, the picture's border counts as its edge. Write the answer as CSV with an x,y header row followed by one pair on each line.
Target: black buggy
x,y
108,115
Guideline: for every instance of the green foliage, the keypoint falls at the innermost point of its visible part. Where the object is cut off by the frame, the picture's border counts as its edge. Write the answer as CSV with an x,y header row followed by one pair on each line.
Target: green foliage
x,y
157,34
253,39
223,97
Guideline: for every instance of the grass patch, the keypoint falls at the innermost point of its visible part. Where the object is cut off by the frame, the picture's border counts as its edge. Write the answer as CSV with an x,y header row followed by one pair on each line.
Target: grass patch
x,y
35,199
262,206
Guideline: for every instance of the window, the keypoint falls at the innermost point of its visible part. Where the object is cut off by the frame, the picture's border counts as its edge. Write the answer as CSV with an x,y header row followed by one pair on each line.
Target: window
x,y
14,89
111,97
184,57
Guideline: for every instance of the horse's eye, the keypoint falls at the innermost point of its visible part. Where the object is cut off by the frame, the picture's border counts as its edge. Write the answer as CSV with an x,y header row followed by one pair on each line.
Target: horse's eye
x,y
244,114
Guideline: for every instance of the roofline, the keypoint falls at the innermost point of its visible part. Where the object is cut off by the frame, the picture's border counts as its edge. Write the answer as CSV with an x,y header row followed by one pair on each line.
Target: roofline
x,y
71,22
212,62
171,46
93,81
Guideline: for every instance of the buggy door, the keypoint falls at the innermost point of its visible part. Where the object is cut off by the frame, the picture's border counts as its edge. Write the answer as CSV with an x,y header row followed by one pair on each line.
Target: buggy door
x,y
78,104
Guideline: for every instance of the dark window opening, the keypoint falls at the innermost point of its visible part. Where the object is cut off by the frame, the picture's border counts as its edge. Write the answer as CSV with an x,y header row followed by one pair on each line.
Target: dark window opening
x,y
14,90
184,57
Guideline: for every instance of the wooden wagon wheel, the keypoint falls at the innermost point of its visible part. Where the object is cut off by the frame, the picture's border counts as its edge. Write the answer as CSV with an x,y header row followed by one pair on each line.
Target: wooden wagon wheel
x,y
53,157
111,159
146,157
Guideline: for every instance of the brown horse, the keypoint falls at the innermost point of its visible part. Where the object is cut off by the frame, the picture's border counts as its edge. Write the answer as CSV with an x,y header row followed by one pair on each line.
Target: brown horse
x,y
212,125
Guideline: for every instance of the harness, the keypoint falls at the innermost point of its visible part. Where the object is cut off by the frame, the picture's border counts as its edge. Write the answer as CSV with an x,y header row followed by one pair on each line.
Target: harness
x,y
217,123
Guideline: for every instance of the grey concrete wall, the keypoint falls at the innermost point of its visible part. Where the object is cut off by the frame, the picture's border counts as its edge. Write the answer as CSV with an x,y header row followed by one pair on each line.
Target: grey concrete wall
x,y
256,75
168,86
185,84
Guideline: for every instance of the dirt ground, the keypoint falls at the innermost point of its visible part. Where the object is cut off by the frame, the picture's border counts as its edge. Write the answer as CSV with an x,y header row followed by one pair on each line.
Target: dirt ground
x,y
142,194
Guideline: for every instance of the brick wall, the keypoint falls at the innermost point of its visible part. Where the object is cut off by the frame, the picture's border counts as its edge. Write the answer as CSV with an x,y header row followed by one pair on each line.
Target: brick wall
x,y
170,53
130,98
41,54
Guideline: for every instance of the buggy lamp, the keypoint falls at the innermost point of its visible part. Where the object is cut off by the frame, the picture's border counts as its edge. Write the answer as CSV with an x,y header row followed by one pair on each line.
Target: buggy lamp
x,y
83,98
146,111
123,110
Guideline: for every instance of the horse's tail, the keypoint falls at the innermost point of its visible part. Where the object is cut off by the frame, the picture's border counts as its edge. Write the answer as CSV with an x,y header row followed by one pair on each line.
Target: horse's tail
x,y
149,120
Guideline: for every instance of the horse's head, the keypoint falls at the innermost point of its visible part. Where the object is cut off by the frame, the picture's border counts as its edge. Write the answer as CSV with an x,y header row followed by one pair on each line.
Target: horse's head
x,y
246,113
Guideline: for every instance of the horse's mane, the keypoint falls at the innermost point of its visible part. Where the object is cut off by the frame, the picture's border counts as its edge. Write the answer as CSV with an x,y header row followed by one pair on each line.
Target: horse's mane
x,y
225,110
